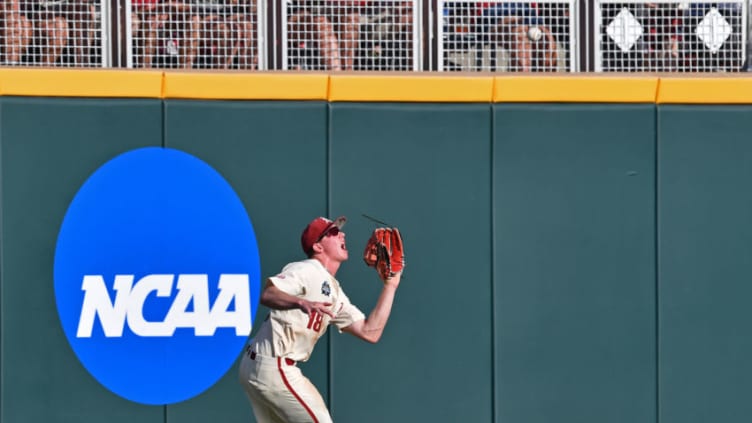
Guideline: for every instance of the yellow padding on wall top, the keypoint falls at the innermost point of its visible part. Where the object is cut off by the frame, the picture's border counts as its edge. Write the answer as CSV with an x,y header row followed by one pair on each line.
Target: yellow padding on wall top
x,y
375,87
704,90
246,86
80,83
419,87
575,88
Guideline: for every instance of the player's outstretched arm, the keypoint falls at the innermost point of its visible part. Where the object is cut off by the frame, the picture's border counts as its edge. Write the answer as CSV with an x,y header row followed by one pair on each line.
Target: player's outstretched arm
x,y
277,299
372,327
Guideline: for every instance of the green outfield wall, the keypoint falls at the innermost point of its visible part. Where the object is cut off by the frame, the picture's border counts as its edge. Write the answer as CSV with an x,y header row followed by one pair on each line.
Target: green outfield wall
x,y
578,248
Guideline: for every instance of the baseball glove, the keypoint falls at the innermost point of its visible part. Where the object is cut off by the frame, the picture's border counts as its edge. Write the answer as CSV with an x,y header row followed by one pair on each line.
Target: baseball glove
x,y
384,252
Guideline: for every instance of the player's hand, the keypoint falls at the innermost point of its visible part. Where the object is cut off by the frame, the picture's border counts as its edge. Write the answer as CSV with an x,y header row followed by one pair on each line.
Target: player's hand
x,y
393,281
311,307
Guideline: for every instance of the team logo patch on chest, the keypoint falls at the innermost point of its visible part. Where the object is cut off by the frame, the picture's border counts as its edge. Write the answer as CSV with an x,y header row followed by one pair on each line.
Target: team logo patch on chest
x,y
326,289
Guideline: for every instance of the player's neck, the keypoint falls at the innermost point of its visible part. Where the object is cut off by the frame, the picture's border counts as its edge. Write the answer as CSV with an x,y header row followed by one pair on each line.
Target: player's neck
x,y
329,264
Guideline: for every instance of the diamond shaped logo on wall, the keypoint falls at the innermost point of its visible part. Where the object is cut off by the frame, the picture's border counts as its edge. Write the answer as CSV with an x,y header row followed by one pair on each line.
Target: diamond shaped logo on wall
x,y
713,30
624,30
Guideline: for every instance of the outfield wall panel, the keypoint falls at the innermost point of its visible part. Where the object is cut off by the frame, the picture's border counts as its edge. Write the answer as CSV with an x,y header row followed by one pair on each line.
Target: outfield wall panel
x,y
705,207
425,169
575,263
49,148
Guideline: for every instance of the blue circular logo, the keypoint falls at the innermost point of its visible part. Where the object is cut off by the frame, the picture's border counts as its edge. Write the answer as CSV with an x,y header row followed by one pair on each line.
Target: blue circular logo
x,y
157,275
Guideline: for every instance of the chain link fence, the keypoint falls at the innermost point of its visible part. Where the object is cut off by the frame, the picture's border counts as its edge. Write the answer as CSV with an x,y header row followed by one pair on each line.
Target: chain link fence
x,y
52,33
642,36
507,36
378,35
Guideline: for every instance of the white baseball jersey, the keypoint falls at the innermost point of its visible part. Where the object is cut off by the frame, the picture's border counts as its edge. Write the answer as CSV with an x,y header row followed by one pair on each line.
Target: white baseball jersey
x,y
292,333
277,389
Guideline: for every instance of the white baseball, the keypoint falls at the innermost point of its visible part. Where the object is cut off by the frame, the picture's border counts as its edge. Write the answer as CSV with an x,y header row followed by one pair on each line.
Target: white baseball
x,y
534,33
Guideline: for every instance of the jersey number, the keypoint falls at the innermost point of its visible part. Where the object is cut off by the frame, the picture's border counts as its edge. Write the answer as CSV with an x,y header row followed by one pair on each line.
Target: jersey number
x,y
314,322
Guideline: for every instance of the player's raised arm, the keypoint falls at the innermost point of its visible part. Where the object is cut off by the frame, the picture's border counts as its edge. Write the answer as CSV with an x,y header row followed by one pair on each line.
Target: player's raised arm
x,y
373,326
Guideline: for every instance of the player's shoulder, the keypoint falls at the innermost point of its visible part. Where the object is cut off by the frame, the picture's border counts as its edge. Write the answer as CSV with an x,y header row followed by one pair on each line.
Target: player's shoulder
x,y
303,267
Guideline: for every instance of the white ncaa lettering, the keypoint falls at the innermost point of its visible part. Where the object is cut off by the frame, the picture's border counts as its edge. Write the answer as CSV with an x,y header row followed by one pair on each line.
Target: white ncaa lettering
x,y
162,285
234,289
95,301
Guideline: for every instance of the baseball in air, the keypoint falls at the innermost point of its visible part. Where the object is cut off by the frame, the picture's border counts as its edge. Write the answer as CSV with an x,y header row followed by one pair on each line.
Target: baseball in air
x,y
534,33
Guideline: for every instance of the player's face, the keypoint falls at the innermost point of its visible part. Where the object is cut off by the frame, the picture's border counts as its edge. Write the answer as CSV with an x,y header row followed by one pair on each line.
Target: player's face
x,y
333,244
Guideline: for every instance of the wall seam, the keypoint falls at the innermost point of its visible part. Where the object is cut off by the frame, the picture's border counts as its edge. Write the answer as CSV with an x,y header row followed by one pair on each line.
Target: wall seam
x,y
163,142
656,276
2,268
163,106
330,339
494,379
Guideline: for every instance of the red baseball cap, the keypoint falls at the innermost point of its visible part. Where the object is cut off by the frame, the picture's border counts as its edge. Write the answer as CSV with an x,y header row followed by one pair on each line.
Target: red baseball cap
x,y
316,230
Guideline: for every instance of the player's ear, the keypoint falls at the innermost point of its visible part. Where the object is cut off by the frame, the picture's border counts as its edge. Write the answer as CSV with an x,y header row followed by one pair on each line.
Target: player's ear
x,y
317,248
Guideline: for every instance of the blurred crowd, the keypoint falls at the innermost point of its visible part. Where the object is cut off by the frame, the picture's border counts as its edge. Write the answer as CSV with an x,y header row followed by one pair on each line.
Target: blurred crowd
x,y
62,25
630,36
364,35
206,33
214,34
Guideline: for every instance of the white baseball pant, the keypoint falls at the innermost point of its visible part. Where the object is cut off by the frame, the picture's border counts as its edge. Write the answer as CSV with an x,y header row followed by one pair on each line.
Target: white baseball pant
x,y
279,392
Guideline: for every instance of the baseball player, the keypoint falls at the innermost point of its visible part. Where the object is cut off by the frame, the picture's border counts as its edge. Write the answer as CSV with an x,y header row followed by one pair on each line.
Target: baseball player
x,y
305,298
